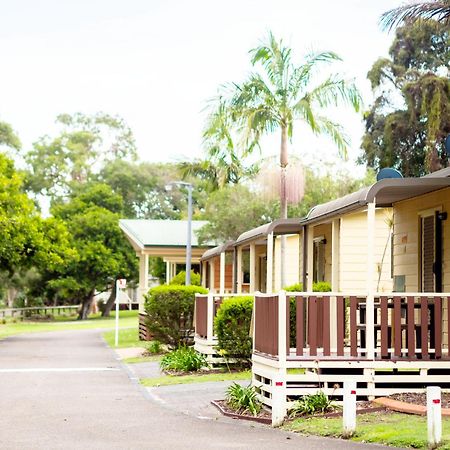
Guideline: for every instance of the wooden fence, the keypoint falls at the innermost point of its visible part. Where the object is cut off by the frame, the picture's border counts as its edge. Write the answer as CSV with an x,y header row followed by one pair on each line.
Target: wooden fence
x,y
37,310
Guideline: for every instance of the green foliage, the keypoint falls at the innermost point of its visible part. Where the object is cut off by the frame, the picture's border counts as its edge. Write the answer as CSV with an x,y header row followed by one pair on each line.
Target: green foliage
x,y
183,359
321,286
8,137
170,311
243,399
311,404
180,278
409,135
232,328
233,210
154,347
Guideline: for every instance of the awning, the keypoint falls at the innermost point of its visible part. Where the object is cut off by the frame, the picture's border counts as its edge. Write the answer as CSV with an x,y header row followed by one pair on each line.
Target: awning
x,y
277,227
216,251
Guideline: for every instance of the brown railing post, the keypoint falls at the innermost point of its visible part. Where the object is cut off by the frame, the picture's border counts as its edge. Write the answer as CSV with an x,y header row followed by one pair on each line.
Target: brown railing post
x,y
300,325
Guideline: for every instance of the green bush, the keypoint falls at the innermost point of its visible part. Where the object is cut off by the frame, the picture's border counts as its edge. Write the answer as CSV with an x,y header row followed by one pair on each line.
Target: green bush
x,y
232,326
170,311
180,279
320,286
183,359
311,404
243,399
154,347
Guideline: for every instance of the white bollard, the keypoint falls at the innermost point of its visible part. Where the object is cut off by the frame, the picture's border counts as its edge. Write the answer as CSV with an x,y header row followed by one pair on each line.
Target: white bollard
x,y
278,401
349,412
434,417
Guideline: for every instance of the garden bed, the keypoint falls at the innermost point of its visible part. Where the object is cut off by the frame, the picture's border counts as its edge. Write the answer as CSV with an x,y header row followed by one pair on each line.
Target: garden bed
x,y
264,416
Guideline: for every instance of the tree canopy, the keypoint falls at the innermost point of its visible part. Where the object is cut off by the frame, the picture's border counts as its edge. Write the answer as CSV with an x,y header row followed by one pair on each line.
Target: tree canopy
x,y
410,118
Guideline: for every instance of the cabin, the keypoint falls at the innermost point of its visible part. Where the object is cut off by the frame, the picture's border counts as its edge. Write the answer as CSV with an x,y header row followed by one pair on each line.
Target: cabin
x,y
217,268
387,341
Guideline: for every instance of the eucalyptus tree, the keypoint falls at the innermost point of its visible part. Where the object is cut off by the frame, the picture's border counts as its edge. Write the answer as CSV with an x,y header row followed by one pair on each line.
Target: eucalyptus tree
x,y
279,94
438,10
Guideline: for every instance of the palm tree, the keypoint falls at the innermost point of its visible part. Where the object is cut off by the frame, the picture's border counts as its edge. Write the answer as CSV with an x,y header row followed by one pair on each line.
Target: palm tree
x,y
438,10
280,94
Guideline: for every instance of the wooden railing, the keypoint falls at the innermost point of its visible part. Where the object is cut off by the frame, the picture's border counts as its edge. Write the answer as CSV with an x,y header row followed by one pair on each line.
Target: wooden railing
x,y
335,326
27,311
206,307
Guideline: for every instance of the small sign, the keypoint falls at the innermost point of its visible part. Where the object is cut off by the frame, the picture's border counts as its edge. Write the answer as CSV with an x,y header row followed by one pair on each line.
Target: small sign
x,y
122,283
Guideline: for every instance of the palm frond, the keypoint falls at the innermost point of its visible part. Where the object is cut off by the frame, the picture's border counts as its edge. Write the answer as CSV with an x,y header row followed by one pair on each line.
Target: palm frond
x,y
335,132
438,10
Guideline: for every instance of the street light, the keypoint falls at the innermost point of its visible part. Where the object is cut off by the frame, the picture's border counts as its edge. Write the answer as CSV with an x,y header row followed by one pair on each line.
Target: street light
x,y
189,188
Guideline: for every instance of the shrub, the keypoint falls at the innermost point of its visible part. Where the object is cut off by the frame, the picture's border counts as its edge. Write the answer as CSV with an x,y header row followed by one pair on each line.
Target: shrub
x,y
243,399
180,279
311,404
154,347
232,326
183,359
170,311
320,286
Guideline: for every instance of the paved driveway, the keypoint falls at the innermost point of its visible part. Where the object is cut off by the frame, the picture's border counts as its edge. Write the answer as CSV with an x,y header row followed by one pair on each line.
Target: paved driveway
x,y
66,390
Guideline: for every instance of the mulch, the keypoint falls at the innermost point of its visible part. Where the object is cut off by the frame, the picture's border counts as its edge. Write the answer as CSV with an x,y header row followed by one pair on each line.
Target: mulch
x,y
264,415
420,399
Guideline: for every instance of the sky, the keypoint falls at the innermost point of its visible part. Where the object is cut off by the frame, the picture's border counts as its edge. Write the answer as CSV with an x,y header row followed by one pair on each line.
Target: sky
x,y
156,63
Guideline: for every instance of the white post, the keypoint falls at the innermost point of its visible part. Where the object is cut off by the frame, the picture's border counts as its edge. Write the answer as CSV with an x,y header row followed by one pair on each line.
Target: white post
x,y
349,411
222,273
269,270
239,271
212,276
310,261
335,269
143,280
209,317
252,287
370,316
116,338
204,271
168,267
279,404
434,417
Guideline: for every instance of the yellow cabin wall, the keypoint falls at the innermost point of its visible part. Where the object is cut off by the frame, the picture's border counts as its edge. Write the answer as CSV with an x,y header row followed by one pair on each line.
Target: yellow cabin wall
x,y
407,239
325,231
353,252
293,265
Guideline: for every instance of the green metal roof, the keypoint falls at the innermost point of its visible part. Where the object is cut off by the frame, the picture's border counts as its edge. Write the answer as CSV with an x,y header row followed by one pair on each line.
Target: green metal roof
x,y
161,233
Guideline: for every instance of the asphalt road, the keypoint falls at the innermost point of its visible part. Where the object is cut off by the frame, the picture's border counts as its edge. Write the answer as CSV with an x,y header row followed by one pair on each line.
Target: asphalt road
x,y
66,390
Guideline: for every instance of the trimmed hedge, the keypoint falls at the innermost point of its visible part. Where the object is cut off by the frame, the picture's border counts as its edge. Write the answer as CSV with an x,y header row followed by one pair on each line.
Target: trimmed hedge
x,y
320,286
170,310
180,279
232,326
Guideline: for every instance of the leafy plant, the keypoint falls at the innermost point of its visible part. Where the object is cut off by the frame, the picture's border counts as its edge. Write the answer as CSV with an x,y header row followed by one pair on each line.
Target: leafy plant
x,y
180,279
243,399
170,311
232,326
154,347
320,286
183,359
311,404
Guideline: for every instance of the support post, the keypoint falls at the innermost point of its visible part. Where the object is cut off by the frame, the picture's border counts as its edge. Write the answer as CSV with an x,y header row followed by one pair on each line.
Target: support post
x,y
335,269
305,258
168,267
252,287
143,280
310,260
222,273
269,269
212,276
370,303
279,405
239,271
349,411
434,416
204,272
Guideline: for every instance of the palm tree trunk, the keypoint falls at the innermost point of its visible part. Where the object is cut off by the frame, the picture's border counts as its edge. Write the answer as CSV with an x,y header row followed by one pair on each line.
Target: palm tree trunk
x,y
283,200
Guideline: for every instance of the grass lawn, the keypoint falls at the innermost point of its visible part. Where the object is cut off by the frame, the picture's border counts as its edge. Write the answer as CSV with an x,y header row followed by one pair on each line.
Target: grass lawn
x,y
167,380
128,337
127,319
399,430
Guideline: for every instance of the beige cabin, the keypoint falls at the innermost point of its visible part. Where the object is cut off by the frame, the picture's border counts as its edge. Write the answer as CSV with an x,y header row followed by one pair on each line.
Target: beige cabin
x,y
217,268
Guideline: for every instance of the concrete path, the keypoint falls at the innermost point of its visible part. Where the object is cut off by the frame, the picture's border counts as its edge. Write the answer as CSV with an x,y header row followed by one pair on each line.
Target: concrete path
x,y
66,390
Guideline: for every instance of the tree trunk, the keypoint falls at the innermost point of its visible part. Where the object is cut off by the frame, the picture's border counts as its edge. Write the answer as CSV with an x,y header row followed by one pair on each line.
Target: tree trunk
x,y
110,303
86,306
283,199
11,295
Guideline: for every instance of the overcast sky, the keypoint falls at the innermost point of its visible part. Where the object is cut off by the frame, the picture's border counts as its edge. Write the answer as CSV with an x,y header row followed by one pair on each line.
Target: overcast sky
x,y
156,63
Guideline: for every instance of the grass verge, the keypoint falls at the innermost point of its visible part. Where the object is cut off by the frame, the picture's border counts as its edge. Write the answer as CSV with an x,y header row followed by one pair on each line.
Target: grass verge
x,y
142,359
127,319
128,337
395,429
168,380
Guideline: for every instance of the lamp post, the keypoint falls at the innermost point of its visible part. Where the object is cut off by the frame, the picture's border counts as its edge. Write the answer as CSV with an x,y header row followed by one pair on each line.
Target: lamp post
x,y
189,188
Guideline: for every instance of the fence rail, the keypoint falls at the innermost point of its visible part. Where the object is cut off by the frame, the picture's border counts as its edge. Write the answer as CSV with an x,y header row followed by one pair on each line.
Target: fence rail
x,y
27,311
